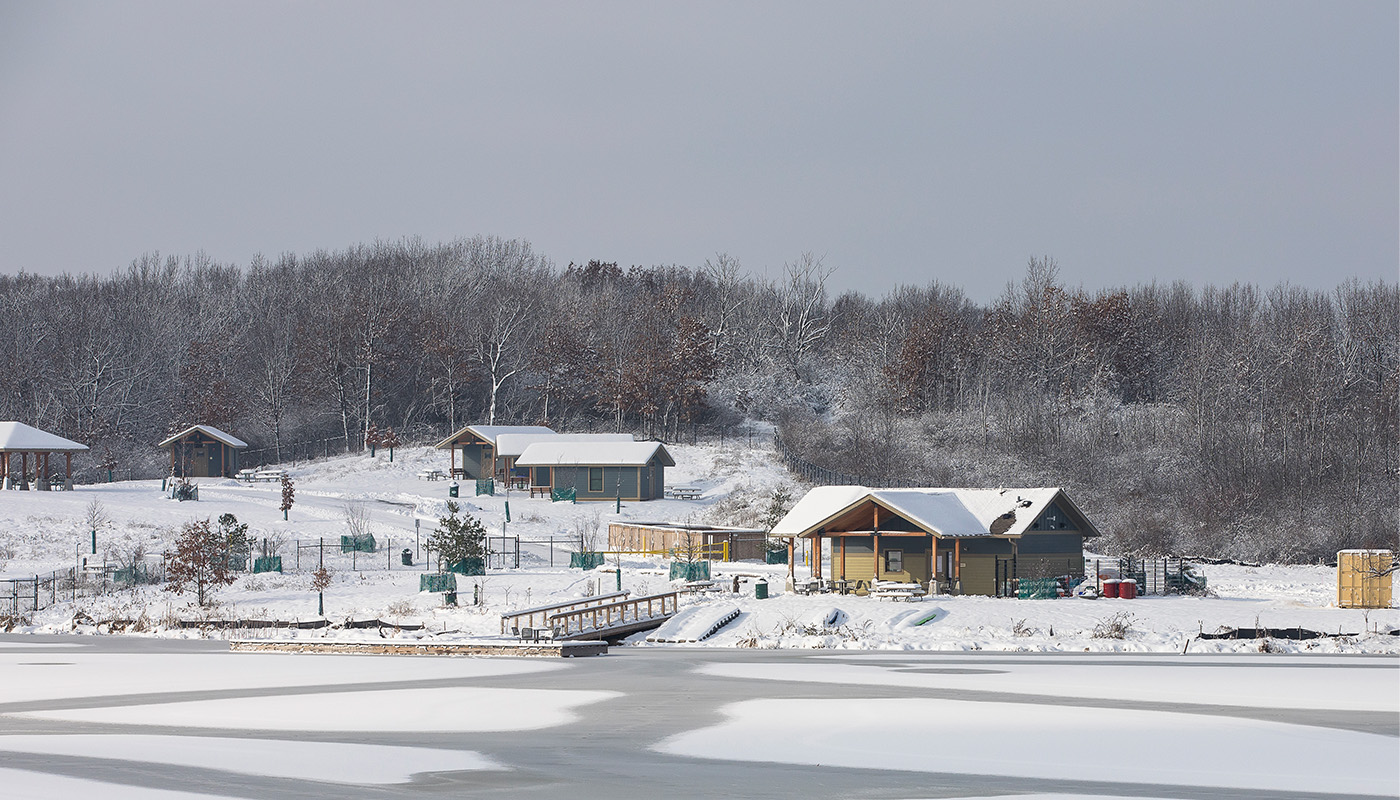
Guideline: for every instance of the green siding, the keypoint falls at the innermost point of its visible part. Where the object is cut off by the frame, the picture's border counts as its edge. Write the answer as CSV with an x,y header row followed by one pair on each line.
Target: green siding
x,y
1036,542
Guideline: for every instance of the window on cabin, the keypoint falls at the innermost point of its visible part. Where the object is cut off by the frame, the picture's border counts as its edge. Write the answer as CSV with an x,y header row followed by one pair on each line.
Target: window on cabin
x,y
595,479
894,561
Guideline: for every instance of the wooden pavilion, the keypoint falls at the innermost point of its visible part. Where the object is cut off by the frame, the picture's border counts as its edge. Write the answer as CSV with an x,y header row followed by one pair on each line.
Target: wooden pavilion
x,y
16,438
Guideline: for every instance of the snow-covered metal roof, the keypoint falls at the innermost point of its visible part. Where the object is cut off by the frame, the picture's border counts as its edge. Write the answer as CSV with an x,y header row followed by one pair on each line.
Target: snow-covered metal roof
x,y
593,454
18,437
491,432
943,512
513,444
210,431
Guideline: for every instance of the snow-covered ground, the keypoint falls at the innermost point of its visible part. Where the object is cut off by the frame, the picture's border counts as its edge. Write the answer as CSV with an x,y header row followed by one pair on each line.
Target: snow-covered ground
x,y
44,531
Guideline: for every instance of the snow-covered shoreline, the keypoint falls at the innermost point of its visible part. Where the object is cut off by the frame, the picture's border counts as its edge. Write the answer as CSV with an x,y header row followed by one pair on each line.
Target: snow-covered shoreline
x,y
44,531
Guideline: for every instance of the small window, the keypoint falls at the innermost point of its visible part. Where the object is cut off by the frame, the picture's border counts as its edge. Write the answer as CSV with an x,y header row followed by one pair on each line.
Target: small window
x,y
595,479
894,561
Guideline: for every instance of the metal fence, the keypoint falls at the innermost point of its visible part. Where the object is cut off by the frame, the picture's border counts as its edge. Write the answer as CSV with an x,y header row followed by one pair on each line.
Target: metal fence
x,y
815,473
22,596
299,451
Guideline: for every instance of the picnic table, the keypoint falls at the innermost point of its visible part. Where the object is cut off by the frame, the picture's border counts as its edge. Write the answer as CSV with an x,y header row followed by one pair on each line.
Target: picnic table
x,y
431,474
245,475
896,590
685,492
269,475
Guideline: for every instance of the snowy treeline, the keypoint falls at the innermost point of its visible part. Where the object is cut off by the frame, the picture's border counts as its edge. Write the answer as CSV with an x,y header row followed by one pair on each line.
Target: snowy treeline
x,y
1258,423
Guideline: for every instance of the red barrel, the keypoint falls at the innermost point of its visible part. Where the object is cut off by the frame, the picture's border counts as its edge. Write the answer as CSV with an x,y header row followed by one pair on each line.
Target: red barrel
x,y
1127,590
1110,587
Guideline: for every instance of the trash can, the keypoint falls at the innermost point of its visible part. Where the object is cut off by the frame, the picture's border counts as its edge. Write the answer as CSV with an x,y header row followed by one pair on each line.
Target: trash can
x,y
760,590
1110,587
450,598
407,557
1127,589
452,489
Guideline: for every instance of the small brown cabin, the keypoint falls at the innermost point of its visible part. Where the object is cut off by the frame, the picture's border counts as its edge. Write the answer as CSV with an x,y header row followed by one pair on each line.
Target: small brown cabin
x,y
203,451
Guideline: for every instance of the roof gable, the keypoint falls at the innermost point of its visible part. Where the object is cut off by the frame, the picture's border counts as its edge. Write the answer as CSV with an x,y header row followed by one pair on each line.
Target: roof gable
x,y
210,431
489,433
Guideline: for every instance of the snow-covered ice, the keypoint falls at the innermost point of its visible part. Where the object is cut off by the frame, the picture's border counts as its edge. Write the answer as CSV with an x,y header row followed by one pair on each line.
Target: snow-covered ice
x,y
22,785
72,675
276,758
1048,742
455,709
1288,682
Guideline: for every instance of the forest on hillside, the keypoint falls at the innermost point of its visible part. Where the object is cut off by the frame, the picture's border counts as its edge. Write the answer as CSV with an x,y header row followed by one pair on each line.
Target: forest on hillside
x,y
1239,421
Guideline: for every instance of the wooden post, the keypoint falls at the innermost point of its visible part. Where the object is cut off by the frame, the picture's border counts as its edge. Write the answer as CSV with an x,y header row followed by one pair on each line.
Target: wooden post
x,y
24,470
875,539
792,557
957,564
817,556
843,558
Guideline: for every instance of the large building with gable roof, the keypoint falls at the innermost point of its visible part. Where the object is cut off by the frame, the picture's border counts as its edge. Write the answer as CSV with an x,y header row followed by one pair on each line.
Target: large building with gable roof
x,y
970,541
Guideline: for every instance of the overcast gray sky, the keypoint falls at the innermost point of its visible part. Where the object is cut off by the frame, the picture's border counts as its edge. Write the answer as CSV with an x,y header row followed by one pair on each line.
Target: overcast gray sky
x,y
904,142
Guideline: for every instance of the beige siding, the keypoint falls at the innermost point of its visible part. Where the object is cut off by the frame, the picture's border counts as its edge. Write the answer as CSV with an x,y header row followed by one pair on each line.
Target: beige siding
x,y
860,566
979,574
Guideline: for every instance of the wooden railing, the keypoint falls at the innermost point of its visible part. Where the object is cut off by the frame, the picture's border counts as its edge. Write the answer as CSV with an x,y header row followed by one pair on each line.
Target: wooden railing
x,y
617,614
538,617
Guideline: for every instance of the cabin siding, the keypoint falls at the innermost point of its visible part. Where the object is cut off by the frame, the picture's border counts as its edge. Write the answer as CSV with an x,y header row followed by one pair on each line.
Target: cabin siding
x,y
577,478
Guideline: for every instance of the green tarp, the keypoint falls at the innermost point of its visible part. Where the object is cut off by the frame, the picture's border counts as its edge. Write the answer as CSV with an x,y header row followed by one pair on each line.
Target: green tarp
x,y
1037,588
585,560
437,583
469,566
486,486
775,556
690,570
267,564
363,544
559,495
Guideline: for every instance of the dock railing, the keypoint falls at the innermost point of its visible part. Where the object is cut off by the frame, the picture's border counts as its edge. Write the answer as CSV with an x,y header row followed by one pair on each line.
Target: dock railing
x,y
614,615
538,617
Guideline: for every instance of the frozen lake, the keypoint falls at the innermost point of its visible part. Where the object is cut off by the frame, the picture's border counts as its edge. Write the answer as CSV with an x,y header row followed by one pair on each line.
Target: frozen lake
x,y
119,717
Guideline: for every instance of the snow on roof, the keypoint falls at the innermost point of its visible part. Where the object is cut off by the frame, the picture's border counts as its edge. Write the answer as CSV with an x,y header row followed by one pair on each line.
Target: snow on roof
x,y
817,506
946,512
939,511
490,432
594,454
16,436
210,431
1026,504
513,444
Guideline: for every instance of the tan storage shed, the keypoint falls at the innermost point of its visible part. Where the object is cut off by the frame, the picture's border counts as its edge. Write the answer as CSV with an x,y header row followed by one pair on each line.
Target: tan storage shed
x,y
1364,578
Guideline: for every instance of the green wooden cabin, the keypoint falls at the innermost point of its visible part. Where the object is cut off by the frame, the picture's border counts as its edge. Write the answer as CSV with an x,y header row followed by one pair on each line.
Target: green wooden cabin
x,y
599,470
967,541
203,451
